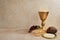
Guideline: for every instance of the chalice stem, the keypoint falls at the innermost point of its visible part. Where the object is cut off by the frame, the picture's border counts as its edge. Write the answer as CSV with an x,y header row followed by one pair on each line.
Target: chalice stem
x,y
43,24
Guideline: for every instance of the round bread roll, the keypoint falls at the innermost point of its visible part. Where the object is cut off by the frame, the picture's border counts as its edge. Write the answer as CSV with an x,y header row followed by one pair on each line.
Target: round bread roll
x,y
52,30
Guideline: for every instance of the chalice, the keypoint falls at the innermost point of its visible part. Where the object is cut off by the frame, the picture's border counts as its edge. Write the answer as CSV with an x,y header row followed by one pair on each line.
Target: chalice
x,y
43,15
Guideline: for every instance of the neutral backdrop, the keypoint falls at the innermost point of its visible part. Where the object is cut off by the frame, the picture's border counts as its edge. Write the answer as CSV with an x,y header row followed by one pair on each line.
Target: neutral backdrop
x,y
24,13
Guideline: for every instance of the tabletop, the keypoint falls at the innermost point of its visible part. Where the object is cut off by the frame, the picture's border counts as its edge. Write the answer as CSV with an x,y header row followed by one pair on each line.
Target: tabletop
x,y
21,34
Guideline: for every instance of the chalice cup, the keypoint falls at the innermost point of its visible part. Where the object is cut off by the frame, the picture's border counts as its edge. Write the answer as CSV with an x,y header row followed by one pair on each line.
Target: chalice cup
x,y
43,15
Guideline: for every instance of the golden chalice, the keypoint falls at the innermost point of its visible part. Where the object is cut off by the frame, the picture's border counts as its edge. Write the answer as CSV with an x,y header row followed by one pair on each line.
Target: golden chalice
x,y
43,15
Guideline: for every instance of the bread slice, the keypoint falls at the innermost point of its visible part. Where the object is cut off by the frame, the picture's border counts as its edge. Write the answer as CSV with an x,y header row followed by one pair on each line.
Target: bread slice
x,y
49,35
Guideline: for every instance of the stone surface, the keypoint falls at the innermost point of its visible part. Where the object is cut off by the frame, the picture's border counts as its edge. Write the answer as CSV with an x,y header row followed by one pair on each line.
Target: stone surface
x,y
24,13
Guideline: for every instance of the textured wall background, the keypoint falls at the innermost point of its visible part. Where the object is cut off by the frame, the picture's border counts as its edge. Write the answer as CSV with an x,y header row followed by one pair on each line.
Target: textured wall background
x,y
24,13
